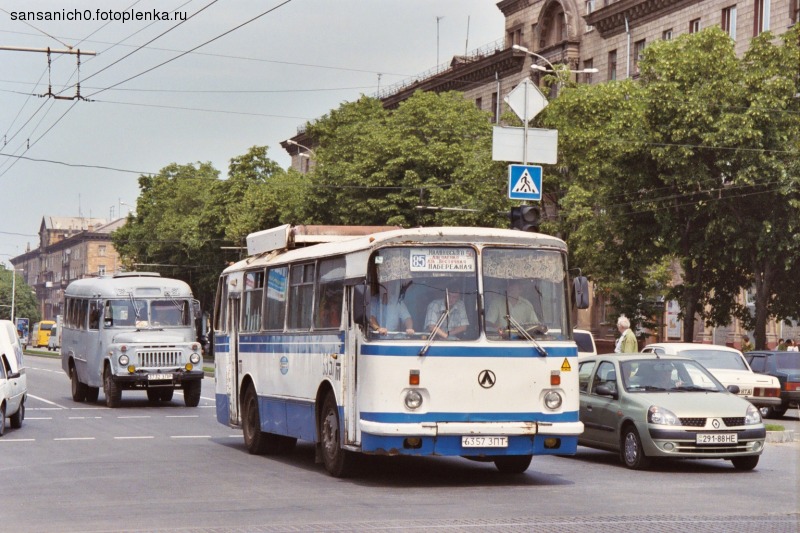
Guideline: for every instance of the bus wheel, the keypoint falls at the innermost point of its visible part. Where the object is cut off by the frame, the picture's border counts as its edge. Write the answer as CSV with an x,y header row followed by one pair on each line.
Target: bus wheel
x,y
513,464
78,388
153,395
111,390
191,393
19,416
166,394
338,461
92,393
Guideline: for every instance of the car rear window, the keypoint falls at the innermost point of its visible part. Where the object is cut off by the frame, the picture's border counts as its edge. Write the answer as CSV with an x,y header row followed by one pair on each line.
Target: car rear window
x,y
584,342
789,360
716,359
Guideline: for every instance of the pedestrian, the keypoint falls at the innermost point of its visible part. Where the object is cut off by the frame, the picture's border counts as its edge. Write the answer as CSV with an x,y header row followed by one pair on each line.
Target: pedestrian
x,y
791,346
781,347
627,342
747,346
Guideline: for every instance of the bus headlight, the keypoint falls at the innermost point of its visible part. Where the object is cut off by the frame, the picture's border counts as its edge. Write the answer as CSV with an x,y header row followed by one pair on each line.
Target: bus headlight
x,y
552,400
123,360
194,358
413,399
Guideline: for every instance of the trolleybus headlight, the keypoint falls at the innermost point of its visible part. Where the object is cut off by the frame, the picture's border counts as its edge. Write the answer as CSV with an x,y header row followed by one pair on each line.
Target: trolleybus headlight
x,y
194,358
552,400
123,360
413,399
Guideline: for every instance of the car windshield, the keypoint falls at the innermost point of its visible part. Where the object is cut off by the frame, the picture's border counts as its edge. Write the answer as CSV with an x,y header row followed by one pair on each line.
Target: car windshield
x,y
719,359
674,375
788,361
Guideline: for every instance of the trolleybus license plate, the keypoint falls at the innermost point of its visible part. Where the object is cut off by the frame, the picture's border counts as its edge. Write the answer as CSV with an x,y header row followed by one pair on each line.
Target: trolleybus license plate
x,y
484,441
159,377
717,438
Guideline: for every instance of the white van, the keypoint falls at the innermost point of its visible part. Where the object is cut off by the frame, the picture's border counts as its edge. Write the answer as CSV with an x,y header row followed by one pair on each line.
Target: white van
x,y
585,341
13,379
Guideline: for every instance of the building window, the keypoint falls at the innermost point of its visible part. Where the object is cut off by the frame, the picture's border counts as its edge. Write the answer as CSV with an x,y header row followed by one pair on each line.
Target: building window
x,y
479,103
101,270
612,65
101,250
588,64
795,15
638,50
589,10
761,16
495,111
729,21
515,36
694,26
667,35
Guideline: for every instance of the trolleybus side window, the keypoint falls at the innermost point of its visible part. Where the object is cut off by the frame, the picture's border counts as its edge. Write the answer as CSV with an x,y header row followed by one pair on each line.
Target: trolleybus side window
x,y
253,300
330,292
301,296
276,298
221,306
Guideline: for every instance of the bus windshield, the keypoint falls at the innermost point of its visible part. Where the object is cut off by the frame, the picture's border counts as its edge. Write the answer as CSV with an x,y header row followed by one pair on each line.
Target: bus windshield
x,y
141,313
417,291
524,290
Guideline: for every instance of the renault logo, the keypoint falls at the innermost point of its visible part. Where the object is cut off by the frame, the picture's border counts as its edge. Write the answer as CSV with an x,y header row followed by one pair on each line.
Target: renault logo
x,y
486,379
715,423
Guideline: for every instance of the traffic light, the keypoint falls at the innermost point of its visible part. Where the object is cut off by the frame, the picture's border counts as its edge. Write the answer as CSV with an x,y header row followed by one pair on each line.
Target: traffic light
x,y
526,217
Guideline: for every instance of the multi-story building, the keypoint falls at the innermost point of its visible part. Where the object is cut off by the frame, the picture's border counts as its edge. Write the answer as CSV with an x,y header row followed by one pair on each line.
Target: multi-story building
x,y
607,35
70,248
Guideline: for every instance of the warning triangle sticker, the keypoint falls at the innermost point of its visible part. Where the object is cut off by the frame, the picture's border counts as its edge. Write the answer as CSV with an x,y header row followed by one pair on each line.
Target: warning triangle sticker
x,y
525,184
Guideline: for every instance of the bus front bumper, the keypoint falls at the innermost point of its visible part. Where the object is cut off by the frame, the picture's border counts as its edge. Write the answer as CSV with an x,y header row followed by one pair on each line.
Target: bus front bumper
x,y
144,380
433,429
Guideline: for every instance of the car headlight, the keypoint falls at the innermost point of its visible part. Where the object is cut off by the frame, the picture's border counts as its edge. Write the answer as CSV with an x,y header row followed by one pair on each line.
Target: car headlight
x,y
123,360
194,358
552,400
413,399
661,416
752,416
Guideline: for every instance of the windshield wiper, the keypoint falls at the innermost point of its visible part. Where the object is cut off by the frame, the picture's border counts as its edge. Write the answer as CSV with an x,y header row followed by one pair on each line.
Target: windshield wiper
x,y
524,333
424,350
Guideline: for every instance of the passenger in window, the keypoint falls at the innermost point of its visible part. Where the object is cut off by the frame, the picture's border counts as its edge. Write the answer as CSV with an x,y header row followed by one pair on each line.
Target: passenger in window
x,y
454,323
511,302
331,308
389,314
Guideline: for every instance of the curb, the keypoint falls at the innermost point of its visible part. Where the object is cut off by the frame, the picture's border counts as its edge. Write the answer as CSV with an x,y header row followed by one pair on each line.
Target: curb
x,y
780,436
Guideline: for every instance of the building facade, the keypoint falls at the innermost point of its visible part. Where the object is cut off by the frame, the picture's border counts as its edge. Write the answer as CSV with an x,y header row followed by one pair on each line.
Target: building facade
x,y
70,248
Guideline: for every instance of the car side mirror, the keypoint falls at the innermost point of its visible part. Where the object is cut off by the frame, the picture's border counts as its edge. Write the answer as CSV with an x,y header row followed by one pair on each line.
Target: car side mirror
x,y
733,389
605,390
13,375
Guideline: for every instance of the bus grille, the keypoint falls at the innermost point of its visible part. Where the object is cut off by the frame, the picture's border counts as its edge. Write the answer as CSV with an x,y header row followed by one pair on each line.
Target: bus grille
x,y
159,358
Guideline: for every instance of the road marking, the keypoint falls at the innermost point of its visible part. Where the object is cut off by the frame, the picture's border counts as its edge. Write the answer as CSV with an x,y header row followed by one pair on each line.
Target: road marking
x,y
16,440
89,408
75,438
132,438
84,417
190,436
38,418
135,416
182,416
46,401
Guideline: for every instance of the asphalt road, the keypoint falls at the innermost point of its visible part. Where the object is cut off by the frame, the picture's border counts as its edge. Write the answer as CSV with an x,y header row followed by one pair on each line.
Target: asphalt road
x,y
83,467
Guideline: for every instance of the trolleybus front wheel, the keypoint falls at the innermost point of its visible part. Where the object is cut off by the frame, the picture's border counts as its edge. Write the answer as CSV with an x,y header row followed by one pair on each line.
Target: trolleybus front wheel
x,y
338,461
513,464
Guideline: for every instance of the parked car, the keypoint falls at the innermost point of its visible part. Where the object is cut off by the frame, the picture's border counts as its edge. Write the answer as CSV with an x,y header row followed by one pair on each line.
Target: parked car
x,y
785,366
585,341
53,343
645,406
13,379
729,366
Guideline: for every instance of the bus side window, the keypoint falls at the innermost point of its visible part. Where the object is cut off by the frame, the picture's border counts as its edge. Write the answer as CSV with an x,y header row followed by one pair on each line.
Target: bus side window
x,y
276,297
94,315
301,294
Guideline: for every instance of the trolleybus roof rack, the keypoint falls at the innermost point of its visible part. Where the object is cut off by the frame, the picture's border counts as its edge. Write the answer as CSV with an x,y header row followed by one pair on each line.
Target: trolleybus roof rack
x,y
288,236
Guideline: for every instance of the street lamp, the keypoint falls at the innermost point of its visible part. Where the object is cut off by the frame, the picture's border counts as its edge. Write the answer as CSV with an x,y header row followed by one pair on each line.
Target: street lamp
x,y
552,68
306,148
131,208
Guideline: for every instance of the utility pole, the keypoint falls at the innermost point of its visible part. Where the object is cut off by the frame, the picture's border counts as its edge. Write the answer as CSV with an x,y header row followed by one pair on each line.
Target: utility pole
x,y
437,39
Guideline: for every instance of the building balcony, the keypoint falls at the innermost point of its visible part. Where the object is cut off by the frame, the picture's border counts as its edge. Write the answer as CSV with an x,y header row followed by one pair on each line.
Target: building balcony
x,y
609,17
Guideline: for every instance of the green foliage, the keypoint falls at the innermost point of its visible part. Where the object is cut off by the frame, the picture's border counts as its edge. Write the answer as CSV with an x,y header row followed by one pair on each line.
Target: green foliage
x,y
24,300
697,161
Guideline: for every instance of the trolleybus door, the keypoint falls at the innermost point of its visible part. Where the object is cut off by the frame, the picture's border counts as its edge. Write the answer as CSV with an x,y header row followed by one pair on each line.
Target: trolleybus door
x,y
232,383
349,369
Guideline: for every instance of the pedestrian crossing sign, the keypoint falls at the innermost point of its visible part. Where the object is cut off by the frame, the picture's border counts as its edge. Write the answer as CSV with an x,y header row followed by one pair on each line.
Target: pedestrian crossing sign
x,y
525,182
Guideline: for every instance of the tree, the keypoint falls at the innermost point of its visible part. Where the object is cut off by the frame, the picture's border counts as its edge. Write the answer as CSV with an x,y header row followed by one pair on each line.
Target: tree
x,y
374,167
25,303
696,161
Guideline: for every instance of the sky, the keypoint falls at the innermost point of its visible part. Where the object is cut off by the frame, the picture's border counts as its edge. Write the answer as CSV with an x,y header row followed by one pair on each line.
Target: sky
x,y
234,74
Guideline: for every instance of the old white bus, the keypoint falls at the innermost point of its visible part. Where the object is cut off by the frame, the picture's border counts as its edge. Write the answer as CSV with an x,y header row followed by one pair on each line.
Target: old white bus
x,y
132,331
425,341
